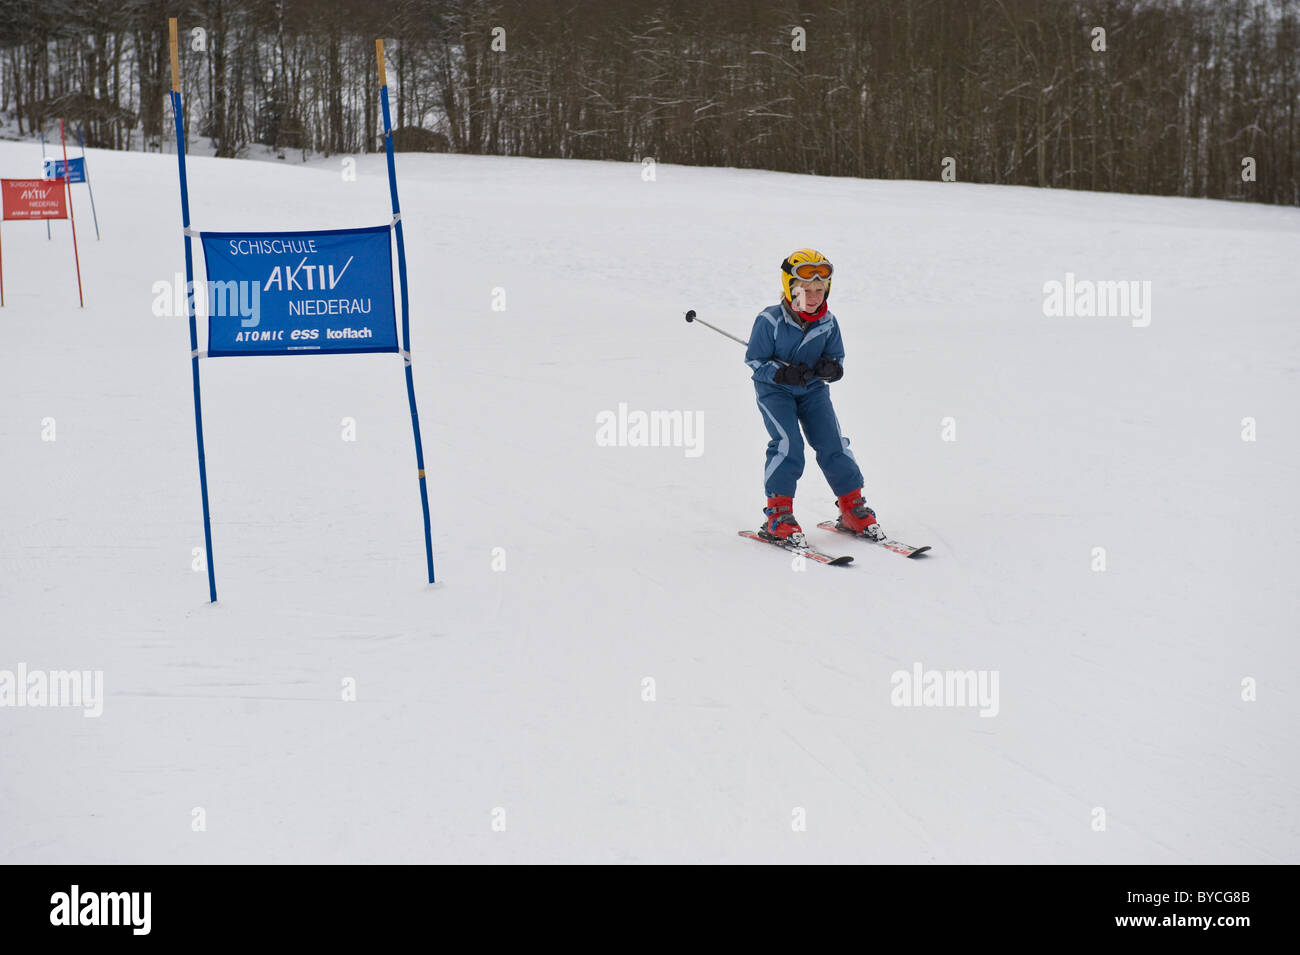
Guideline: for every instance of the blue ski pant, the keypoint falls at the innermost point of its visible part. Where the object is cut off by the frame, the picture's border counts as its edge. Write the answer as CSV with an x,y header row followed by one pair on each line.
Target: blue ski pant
x,y
784,410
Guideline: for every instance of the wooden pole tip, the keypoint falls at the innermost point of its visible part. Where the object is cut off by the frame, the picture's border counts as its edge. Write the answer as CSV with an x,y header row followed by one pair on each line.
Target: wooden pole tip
x,y
379,56
176,62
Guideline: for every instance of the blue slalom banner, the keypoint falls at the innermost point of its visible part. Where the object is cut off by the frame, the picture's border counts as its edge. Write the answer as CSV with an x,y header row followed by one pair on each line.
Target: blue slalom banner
x,y
293,293
76,169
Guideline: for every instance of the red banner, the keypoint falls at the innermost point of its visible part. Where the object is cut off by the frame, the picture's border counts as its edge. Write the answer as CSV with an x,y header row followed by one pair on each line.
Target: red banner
x,y
34,198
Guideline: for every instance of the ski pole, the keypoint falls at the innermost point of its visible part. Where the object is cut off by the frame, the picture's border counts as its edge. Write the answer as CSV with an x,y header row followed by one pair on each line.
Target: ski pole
x,y
691,317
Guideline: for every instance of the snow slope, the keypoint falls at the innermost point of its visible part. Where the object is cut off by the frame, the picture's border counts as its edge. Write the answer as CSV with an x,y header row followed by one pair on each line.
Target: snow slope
x,y
522,689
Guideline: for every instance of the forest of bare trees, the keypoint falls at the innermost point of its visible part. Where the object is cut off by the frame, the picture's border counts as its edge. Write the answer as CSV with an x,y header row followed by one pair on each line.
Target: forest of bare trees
x,y
1015,91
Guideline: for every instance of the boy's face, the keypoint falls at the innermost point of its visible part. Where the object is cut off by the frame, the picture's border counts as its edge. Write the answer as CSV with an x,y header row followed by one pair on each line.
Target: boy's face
x,y
808,296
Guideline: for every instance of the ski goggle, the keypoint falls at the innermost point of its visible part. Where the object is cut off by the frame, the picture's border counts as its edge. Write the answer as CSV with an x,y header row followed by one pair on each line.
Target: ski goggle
x,y
807,271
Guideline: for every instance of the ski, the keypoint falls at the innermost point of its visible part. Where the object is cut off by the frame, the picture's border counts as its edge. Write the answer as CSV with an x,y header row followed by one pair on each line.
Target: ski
x,y
812,553
898,547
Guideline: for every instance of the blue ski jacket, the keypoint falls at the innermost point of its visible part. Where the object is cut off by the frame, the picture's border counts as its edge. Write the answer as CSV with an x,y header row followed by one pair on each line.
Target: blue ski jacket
x,y
778,334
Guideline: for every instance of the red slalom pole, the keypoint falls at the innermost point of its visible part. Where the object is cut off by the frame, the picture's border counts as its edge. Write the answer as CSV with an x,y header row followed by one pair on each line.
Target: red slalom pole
x,y
67,191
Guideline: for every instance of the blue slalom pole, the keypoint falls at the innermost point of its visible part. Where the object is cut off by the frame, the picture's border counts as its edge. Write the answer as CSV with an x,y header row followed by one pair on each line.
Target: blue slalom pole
x,y
86,170
189,307
48,234
406,320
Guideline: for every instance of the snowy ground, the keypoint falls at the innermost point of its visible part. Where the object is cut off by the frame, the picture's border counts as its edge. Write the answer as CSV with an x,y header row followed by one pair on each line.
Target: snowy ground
x,y
516,695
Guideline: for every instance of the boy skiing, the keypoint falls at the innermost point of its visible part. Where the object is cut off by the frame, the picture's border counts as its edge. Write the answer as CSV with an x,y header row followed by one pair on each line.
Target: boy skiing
x,y
795,351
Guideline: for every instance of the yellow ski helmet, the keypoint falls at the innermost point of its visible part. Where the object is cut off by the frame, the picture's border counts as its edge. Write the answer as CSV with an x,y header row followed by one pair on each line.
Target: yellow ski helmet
x,y
804,264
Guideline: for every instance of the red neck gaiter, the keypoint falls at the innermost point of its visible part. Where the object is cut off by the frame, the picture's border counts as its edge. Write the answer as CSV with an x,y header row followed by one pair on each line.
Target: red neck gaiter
x,y
809,317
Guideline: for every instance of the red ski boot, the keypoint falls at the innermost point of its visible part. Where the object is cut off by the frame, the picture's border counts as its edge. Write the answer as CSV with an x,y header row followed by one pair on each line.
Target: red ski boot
x,y
780,523
857,517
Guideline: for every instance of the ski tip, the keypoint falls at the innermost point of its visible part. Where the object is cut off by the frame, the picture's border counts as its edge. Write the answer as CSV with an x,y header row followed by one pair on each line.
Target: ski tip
x,y
841,561
919,551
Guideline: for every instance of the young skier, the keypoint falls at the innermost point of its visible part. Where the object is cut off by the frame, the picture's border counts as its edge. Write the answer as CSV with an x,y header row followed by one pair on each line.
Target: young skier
x,y
795,350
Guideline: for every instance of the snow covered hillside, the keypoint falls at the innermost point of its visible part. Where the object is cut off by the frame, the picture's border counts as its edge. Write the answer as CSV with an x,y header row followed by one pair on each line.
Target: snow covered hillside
x,y
605,672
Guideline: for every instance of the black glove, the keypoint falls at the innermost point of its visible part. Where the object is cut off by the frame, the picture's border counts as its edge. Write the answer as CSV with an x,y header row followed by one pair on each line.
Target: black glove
x,y
828,369
796,374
